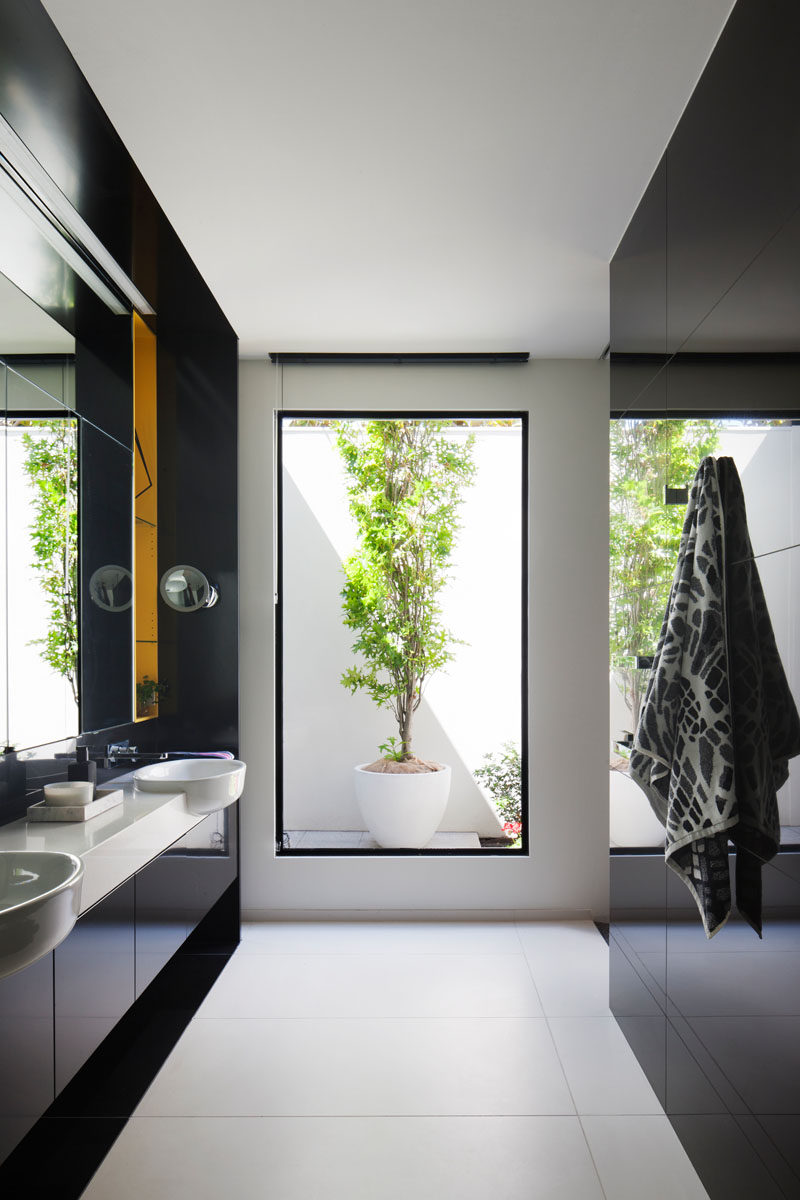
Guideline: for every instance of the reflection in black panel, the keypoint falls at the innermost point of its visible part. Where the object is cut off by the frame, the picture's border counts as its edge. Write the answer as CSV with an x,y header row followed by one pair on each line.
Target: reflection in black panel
x,y
733,383
760,313
94,983
26,1050
725,1159
106,643
639,276
104,367
31,262
175,892
733,161
163,918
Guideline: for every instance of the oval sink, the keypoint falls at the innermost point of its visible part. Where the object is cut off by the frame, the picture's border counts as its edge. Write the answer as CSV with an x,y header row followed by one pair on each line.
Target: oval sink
x,y
40,893
209,783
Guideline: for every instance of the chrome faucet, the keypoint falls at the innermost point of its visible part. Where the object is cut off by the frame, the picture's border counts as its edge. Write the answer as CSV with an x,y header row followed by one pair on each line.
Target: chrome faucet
x,y
117,753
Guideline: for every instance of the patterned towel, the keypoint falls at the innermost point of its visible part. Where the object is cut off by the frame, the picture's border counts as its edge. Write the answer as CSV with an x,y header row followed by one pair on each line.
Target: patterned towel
x,y
718,723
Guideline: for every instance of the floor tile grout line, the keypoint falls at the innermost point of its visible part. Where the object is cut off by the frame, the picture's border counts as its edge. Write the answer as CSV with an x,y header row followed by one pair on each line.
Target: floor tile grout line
x,y
370,1116
592,1157
517,1114
418,1020
553,1040
363,1116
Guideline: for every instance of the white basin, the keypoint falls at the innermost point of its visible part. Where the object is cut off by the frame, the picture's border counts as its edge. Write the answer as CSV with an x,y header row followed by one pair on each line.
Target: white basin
x,y
40,892
209,783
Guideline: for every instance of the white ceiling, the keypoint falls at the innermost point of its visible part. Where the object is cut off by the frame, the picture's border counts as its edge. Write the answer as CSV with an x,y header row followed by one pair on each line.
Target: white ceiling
x,y
378,175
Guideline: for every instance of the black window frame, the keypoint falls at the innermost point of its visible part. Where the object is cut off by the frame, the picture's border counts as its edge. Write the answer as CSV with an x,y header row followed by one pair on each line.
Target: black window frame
x,y
282,849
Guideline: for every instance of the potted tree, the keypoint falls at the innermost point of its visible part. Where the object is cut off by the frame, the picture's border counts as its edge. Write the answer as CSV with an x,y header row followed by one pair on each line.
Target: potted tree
x,y
405,485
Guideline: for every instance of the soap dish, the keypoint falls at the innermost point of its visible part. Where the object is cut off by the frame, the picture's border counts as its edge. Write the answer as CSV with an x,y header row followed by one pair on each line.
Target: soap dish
x,y
103,801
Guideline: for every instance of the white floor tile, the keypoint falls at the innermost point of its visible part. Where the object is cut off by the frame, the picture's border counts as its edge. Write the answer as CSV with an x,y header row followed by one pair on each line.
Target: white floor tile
x,y
385,1060
601,1068
379,937
374,985
641,1156
377,1158
234,1067
569,965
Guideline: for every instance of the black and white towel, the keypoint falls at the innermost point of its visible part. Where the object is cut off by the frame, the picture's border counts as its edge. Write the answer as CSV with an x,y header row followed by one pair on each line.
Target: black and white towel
x,y
718,723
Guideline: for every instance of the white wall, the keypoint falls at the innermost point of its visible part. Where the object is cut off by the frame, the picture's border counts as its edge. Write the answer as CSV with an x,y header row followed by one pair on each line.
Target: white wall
x,y
470,708
567,870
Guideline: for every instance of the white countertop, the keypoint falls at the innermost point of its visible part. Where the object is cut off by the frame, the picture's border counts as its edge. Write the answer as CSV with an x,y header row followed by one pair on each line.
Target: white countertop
x,y
114,844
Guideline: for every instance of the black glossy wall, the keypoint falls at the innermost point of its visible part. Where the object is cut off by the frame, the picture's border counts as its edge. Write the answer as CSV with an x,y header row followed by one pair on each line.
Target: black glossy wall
x,y
84,1030
705,308
47,101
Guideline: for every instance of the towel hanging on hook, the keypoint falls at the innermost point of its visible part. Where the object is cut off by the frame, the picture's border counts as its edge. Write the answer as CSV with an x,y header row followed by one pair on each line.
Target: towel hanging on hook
x,y
719,722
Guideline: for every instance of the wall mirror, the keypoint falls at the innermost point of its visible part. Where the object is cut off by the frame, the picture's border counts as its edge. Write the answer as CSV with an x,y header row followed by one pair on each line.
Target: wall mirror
x,y
67,489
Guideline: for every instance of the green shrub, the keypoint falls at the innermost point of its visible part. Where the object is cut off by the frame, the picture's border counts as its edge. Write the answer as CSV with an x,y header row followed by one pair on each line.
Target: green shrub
x,y
501,775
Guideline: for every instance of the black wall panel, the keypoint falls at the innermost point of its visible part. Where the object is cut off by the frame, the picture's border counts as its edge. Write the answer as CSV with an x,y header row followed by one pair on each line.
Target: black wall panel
x,y
733,163
711,259
45,98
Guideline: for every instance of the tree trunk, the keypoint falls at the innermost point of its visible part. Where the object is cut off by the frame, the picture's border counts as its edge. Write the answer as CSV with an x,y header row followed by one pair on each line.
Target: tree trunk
x,y
405,728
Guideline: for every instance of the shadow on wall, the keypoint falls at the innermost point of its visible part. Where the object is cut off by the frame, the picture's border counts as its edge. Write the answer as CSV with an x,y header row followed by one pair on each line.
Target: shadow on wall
x,y
326,731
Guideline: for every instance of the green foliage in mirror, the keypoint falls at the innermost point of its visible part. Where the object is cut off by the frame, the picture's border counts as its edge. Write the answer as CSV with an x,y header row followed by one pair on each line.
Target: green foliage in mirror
x,y
51,464
646,534
148,693
405,485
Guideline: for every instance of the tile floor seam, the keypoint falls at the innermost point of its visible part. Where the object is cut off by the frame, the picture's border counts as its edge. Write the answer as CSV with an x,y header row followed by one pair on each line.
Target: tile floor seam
x,y
367,1116
552,1039
393,1017
591,1156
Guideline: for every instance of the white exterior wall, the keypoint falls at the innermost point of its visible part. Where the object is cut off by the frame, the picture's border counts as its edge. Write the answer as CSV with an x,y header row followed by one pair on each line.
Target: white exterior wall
x,y
469,709
567,870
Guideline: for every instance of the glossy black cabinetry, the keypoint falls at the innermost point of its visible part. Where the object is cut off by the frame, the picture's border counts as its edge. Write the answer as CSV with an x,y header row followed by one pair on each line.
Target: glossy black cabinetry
x,y
173,895
114,985
94,980
27,1083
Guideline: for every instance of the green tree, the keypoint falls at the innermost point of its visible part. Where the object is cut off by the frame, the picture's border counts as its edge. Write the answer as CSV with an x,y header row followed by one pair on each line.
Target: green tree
x,y
405,485
646,534
51,464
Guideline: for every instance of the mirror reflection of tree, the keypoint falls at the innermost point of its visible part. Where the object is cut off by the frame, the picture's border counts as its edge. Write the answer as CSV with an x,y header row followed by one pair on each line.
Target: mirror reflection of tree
x,y
51,466
646,534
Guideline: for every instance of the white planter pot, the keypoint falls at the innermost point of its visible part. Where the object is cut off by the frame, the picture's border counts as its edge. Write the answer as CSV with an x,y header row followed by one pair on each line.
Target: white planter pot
x,y
402,810
633,822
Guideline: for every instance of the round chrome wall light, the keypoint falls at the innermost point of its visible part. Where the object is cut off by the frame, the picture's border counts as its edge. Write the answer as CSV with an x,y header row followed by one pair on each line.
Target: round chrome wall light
x,y
185,589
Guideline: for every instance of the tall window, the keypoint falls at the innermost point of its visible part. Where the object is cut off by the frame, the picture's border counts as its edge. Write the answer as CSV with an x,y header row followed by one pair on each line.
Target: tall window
x,y
402,583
